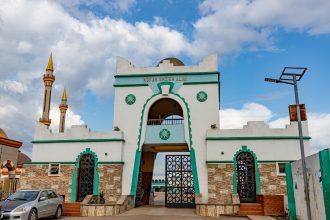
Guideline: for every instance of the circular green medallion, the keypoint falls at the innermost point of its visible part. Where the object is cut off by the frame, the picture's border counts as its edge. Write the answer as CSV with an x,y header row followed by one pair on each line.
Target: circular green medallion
x,y
201,96
130,99
164,134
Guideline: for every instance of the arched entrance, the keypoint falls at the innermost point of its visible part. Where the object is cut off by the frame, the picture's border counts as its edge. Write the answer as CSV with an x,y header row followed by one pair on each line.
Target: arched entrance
x,y
246,181
85,176
165,133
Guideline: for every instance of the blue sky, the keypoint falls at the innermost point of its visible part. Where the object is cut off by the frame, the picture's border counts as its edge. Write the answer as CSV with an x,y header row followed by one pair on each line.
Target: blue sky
x,y
254,40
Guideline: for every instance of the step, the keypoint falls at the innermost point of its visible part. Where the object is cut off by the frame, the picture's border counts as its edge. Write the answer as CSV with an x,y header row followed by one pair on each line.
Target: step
x,y
72,214
251,213
71,210
250,204
72,203
251,209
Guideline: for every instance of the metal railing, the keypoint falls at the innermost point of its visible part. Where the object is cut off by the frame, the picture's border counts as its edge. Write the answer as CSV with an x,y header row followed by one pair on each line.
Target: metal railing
x,y
172,121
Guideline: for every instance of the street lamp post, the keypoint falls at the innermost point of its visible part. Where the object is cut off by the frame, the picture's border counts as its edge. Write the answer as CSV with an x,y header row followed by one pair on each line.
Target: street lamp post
x,y
291,75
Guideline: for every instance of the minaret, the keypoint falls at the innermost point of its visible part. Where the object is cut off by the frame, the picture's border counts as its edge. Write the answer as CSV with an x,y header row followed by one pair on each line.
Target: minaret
x,y
49,78
63,108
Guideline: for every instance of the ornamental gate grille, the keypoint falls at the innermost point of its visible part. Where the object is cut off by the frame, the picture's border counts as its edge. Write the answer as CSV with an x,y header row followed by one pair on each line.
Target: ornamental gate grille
x,y
86,176
246,186
179,183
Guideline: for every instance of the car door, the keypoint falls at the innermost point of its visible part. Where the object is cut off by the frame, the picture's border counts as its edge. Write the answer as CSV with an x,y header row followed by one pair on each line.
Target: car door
x,y
43,205
53,201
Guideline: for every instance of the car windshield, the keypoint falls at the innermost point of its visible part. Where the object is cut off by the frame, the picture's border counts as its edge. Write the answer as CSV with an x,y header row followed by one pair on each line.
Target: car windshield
x,y
23,195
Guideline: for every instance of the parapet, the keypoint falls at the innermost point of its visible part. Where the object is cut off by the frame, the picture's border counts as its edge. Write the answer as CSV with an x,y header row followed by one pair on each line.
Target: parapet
x,y
208,64
42,132
259,129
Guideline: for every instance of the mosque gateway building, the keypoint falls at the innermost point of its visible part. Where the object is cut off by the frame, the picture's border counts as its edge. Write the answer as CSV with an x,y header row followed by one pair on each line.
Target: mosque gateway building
x,y
167,108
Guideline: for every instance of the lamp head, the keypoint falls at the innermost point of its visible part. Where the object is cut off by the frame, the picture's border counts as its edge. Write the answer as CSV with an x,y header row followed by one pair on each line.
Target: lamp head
x,y
271,80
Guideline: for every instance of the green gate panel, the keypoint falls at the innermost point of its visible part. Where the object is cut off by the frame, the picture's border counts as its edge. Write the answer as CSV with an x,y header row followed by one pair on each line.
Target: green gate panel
x,y
325,172
290,191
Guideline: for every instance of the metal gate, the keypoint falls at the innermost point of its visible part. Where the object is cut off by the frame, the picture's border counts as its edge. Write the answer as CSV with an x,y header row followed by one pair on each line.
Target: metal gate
x,y
246,186
179,183
86,176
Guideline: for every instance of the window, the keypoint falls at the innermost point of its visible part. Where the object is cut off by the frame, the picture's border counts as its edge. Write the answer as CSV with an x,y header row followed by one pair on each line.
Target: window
x,y
43,194
54,169
51,194
280,169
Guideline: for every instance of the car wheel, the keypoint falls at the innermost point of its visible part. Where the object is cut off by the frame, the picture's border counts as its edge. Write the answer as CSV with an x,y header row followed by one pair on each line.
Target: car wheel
x,y
33,215
58,213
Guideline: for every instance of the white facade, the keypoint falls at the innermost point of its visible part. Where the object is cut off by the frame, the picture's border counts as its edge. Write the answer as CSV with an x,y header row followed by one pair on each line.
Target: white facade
x,y
269,144
136,90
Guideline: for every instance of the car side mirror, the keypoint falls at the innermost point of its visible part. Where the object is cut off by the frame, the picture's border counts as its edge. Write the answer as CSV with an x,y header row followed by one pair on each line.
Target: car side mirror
x,y
42,198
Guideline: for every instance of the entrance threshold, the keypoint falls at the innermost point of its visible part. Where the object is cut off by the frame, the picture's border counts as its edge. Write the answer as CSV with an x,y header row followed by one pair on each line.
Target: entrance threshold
x,y
160,211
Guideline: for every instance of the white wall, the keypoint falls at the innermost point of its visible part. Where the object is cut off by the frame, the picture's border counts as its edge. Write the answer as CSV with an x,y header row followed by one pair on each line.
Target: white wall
x,y
127,118
68,152
272,149
315,188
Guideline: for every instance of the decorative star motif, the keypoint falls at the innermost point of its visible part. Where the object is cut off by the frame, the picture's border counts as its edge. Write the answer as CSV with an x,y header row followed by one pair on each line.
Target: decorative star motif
x,y
164,134
130,99
201,96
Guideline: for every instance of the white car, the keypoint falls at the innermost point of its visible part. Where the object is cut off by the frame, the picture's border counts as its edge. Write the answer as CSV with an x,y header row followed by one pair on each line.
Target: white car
x,y
32,204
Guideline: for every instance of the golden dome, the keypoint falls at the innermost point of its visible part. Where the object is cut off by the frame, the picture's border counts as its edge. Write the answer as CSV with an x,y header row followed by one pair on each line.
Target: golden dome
x,y
174,61
3,134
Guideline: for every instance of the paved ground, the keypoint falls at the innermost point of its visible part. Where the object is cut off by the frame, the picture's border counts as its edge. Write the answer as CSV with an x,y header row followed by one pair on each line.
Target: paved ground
x,y
157,213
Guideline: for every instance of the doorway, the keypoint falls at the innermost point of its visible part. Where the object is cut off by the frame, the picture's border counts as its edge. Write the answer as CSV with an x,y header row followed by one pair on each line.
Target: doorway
x,y
246,186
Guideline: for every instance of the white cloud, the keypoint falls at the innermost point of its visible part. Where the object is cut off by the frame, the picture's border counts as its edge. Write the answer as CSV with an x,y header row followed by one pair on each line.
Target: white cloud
x,y
318,123
70,119
236,118
84,54
236,25
319,127
12,86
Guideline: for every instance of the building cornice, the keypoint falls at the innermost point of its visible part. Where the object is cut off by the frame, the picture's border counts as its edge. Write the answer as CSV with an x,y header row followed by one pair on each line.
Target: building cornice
x,y
165,74
257,138
71,162
79,140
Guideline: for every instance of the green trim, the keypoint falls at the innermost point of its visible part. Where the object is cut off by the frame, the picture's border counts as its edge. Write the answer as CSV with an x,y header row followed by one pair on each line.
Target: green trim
x,y
48,162
145,84
112,162
75,173
199,83
136,169
159,85
275,161
257,173
194,170
32,163
130,85
78,140
164,74
219,161
324,158
260,161
290,191
257,138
